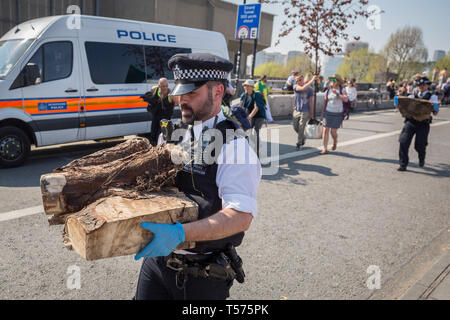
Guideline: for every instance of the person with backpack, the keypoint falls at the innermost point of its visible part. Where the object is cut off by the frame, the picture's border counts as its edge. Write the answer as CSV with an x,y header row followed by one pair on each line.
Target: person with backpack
x,y
254,104
261,87
332,110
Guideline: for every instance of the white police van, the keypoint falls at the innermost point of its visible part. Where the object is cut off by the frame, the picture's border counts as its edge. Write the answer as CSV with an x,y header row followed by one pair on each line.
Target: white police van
x,y
62,81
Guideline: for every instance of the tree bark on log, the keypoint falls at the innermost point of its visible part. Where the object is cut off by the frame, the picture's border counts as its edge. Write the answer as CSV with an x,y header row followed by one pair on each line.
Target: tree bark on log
x,y
70,188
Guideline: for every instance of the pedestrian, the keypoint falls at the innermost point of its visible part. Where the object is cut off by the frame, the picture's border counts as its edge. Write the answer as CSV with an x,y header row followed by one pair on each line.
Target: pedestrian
x,y
420,129
332,110
434,77
320,84
160,105
254,104
352,94
390,88
303,107
289,85
442,78
410,88
225,192
261,87
446,96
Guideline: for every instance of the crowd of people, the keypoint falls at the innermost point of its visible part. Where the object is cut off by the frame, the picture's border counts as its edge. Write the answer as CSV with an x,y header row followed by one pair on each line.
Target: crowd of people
x,y
440,85
340,99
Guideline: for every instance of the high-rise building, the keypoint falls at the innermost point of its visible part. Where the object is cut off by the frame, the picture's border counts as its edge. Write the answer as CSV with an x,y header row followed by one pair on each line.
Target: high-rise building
x,y
265,57
438,54
330,64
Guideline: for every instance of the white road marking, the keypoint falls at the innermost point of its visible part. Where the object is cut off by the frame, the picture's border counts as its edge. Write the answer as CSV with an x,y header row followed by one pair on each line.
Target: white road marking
x,y
40,209
21,213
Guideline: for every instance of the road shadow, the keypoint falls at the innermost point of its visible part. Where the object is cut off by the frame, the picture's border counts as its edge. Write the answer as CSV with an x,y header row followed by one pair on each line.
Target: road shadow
x,y
291,171
440,170
42,161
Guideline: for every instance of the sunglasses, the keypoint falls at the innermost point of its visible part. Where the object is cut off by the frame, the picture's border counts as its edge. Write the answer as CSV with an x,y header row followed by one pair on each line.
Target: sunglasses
x,y
334,80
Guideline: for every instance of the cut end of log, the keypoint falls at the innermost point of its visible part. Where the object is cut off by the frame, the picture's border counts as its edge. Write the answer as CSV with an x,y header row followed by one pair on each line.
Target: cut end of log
x,y
52,186
111,227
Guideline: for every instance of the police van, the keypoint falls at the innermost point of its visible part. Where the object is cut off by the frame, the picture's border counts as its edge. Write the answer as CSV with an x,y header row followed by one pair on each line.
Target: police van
x,y
64,80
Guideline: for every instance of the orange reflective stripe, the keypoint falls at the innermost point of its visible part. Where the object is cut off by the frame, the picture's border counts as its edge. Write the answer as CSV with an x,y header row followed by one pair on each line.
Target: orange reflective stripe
x,y
11,104
92,104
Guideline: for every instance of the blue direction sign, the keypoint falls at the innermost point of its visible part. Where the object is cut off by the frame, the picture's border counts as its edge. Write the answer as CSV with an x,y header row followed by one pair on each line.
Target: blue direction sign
x,y
247,21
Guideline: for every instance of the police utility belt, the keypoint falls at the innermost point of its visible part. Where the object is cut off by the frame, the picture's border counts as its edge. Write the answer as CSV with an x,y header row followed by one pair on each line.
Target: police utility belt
x,y
219,266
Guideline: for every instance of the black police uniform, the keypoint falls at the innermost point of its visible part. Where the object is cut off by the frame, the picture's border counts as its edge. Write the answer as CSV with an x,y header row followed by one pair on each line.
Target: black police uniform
x,y
160,108
157,279
413,127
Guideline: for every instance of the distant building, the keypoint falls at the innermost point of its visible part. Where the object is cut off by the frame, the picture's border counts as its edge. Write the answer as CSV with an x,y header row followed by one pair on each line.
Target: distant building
x,y
330,64
355,46
294,54
266,57
438,54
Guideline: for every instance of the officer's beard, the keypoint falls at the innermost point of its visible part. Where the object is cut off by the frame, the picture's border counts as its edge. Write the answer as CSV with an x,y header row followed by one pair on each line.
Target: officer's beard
x,y
202,114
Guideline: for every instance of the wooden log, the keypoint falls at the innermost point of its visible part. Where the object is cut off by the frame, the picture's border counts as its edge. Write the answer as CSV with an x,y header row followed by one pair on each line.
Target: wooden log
x,y
111,227
119,151
418,109
70,188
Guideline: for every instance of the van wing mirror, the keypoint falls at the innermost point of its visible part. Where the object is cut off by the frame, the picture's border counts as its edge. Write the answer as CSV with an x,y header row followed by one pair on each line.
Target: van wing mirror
x,y
30,75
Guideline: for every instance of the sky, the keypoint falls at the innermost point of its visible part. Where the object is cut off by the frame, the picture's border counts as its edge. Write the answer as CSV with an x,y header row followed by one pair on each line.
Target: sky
x,y
432,16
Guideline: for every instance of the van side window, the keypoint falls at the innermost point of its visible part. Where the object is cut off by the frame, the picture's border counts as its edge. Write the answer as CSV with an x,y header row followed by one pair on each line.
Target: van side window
x,y
115,63
156,59
52,61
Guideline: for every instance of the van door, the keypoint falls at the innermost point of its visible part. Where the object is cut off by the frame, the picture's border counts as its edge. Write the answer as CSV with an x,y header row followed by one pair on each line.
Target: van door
x,y
114,81
52,93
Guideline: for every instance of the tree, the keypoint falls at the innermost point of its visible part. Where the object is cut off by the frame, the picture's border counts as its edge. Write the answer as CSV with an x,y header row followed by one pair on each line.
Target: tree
x,y
377,64
356,65
405,51
443,62
271,69
302,63
321,24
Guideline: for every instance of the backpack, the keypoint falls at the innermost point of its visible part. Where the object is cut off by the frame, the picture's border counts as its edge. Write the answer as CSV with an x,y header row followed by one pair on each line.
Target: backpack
x,y
258,99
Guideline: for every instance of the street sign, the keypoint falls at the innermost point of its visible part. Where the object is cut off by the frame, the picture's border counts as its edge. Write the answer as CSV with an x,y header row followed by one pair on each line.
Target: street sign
x,y
247,21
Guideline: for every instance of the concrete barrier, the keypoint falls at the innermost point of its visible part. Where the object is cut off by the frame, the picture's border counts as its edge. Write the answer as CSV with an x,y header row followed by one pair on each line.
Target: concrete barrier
x,y
281,105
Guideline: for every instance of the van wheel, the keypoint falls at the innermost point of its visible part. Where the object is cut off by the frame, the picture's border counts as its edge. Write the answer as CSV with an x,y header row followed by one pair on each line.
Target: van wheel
x,y
14,147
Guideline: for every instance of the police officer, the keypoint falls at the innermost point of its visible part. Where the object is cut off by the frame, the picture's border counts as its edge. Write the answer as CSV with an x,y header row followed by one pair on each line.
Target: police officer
x,y
224,191
419,128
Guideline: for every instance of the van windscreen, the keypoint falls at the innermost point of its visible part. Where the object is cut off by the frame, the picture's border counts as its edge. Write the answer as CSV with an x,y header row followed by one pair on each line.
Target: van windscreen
x,y
10,53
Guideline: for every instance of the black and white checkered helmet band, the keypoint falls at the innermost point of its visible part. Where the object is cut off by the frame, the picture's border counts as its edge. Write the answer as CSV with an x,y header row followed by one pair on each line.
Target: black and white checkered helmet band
x,y
199,74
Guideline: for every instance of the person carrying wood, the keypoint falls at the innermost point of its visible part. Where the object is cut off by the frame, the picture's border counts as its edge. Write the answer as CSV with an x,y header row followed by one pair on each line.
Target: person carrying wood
x,y
420,129
227,202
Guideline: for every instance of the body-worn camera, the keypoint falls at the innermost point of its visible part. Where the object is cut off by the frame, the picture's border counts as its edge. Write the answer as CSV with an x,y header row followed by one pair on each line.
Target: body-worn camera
x,y
167,128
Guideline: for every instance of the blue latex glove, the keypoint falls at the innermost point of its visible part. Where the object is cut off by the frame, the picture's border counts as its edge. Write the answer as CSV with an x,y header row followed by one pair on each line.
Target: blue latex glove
x,y
166,238
396,101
